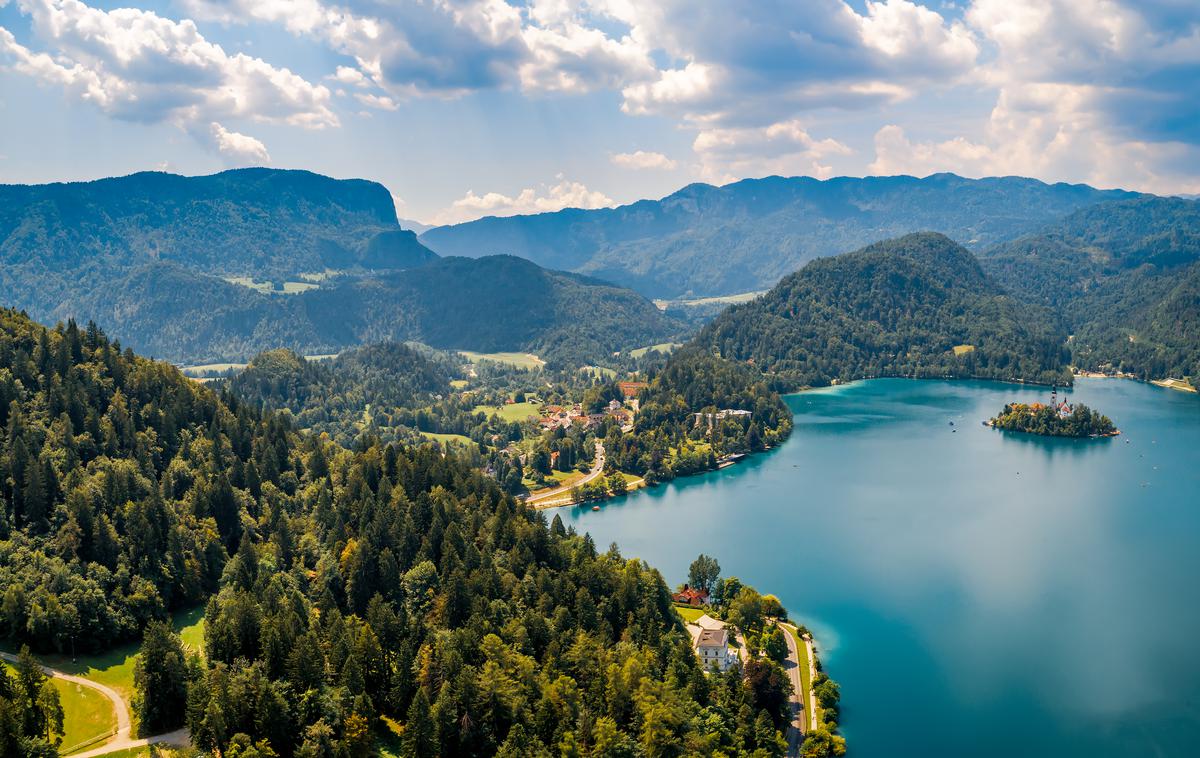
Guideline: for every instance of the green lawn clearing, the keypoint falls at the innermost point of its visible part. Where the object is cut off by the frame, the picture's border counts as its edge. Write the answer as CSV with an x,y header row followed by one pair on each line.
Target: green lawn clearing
x,y
458,438
662,347
511,412
88,717
520,360
963,349
689,613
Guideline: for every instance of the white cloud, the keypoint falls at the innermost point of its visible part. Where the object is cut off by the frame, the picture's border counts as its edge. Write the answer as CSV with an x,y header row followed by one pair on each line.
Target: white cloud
x,y
238,149
381,102
564,194
137,66
642,159
351,76
1089,91
785,148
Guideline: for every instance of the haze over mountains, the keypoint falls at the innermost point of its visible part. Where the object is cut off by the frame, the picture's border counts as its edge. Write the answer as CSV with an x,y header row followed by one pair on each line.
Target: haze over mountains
x,y
705,240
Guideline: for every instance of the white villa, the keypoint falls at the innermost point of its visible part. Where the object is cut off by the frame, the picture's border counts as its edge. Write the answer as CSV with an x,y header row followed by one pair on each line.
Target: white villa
x,y
711,640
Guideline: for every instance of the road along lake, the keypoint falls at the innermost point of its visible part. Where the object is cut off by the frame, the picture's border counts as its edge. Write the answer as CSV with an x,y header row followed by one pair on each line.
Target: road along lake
x,y
974,592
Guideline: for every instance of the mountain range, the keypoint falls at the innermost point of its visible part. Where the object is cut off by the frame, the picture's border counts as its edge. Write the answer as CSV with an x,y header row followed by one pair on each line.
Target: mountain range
x,y
218,268
741,237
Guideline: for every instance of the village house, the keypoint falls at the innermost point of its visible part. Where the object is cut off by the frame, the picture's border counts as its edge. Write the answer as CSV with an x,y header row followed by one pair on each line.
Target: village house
x,y
710,638
720,415
690,596
712,647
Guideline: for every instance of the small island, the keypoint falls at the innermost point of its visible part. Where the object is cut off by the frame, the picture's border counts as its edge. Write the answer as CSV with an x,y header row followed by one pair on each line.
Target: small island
x,y
1054,420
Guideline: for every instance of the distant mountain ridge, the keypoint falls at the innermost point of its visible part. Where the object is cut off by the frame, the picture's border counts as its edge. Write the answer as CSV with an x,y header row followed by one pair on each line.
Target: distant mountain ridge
x,y
155,256
1122,278
705,240
918,306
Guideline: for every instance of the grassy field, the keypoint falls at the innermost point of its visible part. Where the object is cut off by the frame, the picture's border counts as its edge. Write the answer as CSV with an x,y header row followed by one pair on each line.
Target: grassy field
x,y
459,384
741,297
511,412
559,479
88,718
154,752
688,613
115,668
963,349
598,371
448,437
662,347
520,360
216,368
1182,385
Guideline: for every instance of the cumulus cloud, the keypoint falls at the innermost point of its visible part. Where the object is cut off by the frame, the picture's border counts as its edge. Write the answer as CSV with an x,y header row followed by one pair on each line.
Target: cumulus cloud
x,y
1087,90
138,66
785,148
564,194
237,149
641,159
380,102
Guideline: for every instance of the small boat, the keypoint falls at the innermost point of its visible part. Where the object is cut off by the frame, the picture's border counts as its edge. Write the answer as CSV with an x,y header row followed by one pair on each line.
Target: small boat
x,y
951,423
595,507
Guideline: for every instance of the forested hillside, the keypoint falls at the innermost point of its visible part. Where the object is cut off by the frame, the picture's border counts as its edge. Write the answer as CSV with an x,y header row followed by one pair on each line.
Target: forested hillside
x,y
219,268
499,303
1123,278
745,236
341,585
265,223
915,306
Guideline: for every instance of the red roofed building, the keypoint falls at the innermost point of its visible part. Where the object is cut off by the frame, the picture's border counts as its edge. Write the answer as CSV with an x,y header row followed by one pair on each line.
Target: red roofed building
x,y
631,389
690,596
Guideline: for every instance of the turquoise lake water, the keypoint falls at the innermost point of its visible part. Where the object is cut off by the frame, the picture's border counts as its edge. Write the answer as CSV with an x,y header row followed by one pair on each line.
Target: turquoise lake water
x,y
973,592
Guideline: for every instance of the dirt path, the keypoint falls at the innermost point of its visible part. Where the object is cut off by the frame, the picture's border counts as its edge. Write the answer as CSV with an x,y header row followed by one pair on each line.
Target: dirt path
x,y
123,739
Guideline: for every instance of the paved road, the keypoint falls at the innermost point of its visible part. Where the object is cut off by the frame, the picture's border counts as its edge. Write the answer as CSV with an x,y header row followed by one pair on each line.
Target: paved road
x,y
597,470
799,722
122,740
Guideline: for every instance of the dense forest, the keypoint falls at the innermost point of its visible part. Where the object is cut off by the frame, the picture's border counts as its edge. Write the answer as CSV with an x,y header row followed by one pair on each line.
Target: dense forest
x,y
741,237
1048,421
493,304
1123,278
916,306
341,585
680,428
31,713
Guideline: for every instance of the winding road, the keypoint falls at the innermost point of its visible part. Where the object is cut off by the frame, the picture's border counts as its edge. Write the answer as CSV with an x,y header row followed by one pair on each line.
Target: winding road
x,y
123,739
541,499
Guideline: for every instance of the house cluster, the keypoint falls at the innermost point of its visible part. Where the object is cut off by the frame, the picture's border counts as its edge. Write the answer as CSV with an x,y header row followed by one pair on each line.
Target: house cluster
x,y
556,416
713,418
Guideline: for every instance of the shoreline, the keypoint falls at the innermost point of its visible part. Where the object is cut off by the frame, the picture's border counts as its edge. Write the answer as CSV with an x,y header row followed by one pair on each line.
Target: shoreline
x,y
989,424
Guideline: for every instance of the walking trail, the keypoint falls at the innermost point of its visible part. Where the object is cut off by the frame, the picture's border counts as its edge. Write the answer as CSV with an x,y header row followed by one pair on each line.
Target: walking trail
x,y
123,739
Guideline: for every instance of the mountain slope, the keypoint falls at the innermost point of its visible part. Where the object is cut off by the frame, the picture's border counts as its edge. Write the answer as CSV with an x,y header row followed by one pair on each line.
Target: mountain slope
x,y
705,240
492,304
155,257
1122,277
339,586
895,308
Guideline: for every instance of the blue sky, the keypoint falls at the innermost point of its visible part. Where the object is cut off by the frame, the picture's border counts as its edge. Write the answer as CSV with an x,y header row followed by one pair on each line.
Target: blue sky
x,y
465,108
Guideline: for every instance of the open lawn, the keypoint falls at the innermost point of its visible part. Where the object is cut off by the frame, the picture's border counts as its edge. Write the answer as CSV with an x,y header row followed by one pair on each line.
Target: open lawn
x,y
689,613
741,297
963,349
511,412
558,479
115,668
1182,385
598,371
459,438
459,384
520,360
212,368
88,717
662,347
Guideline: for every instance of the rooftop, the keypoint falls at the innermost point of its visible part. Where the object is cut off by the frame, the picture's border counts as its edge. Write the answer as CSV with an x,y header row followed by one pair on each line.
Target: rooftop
x,y
713,638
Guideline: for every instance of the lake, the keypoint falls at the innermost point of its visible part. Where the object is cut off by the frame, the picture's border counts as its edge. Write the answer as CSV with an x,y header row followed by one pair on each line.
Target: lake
x,y
974,592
